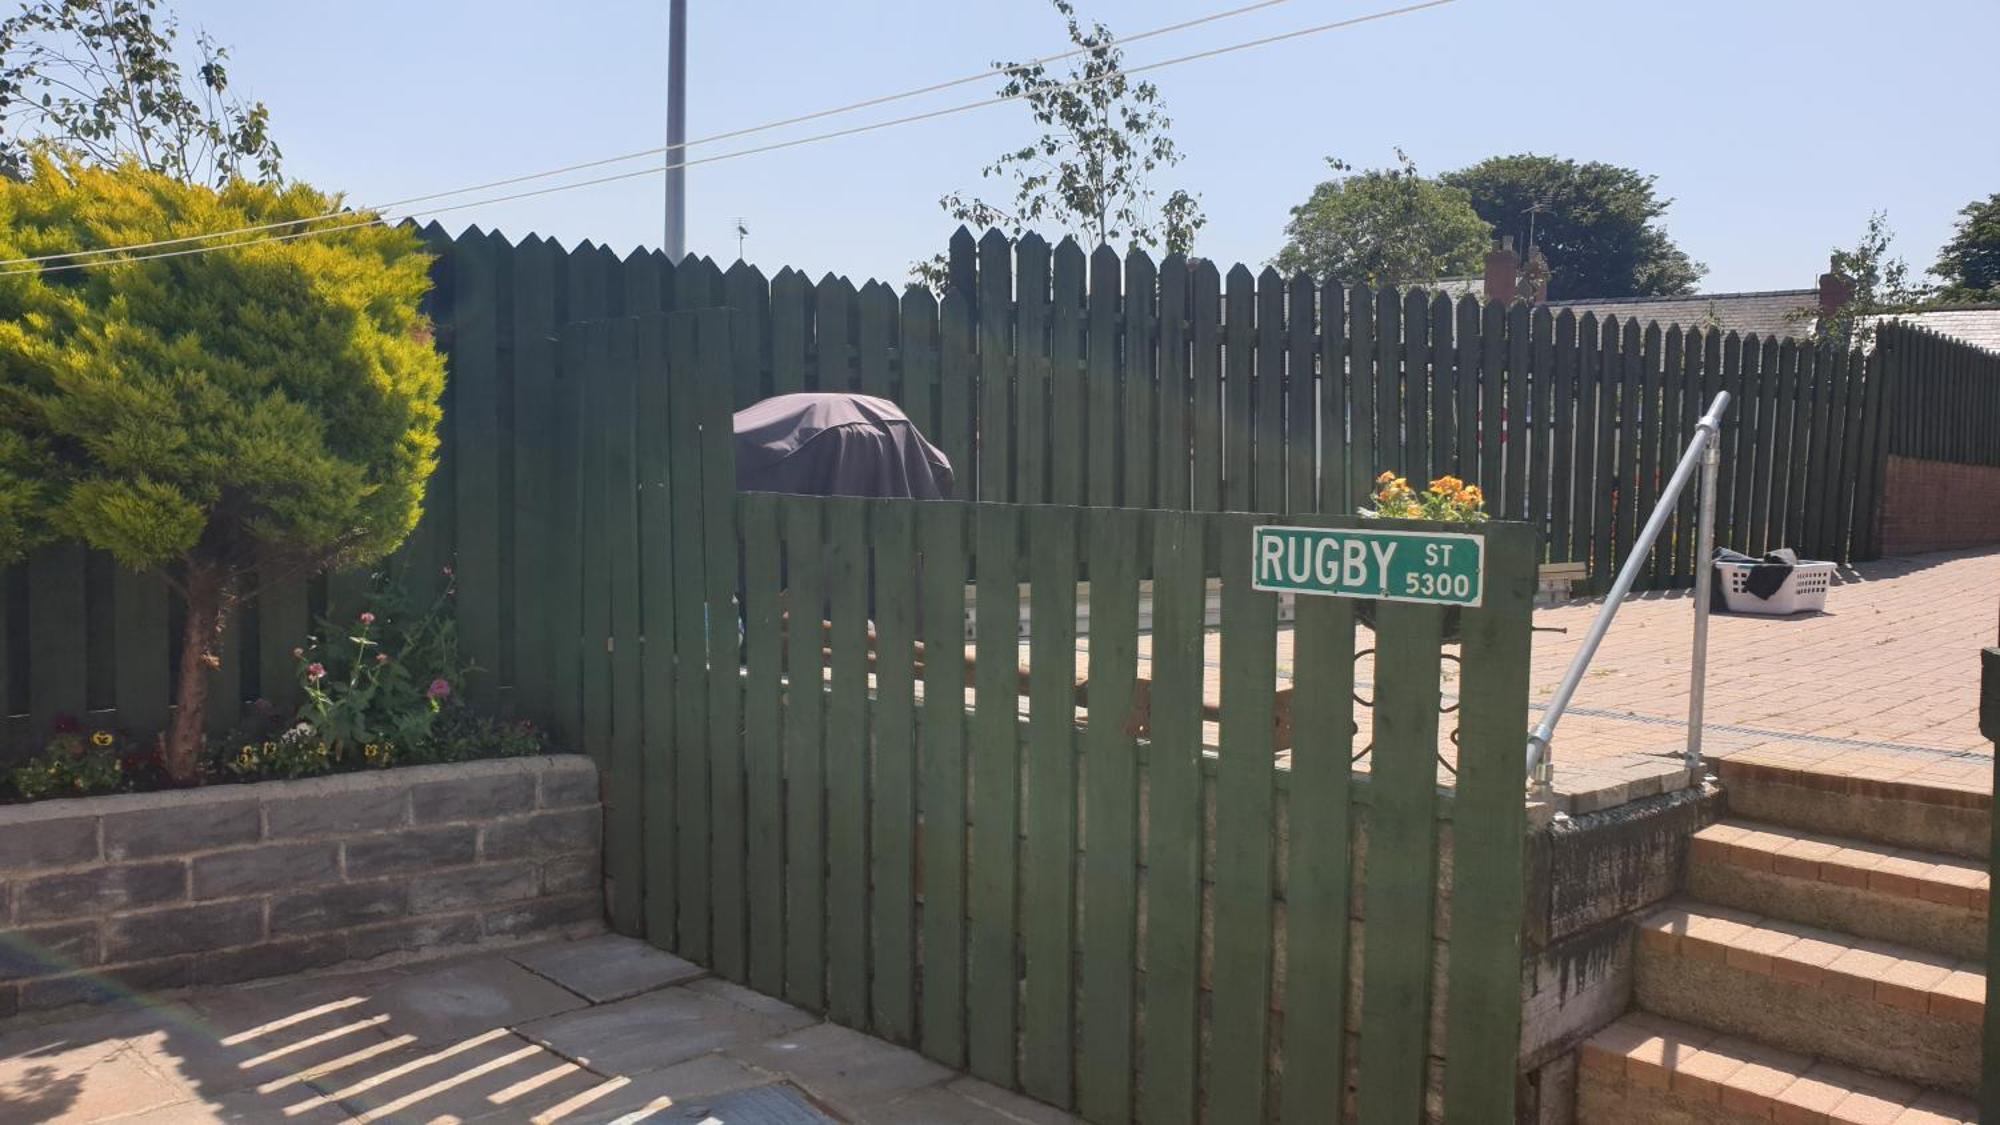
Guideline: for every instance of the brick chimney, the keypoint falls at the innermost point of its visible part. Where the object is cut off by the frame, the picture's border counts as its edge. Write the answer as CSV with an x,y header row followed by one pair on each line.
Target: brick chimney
x,y
1835,290
1503,272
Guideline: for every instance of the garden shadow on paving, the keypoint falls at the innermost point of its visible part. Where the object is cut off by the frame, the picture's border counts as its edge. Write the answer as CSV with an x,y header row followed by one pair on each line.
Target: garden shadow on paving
x,y
597,1030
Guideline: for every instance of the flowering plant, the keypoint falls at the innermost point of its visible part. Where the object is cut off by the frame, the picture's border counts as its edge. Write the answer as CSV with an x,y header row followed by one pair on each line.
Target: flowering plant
x,y
1447,500
384,684
72,764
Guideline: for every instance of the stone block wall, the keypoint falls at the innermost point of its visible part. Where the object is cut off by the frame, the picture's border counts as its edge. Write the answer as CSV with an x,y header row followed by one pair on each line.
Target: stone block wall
x,y
1938,506
100,896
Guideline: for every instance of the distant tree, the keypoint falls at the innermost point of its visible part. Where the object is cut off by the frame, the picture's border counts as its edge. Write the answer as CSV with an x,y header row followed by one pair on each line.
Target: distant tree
x,y
268,408
101,79
1385,226
1969,264
1091,173
1597,224
1881,284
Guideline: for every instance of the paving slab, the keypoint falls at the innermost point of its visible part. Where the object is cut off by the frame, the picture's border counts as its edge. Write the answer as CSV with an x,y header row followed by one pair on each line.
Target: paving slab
x,y
659,1029
854,1073
453,1003
608,968
690,1088
80,1081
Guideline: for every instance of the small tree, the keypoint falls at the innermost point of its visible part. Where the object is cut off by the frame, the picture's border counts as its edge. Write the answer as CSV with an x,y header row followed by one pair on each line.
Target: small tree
x,y
1881,284
1969,265
100,77
1091,173
268,408
1385,226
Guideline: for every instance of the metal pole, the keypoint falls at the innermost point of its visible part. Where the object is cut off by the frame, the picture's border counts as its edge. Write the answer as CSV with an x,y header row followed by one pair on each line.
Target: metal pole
x,y
1704,580
676,130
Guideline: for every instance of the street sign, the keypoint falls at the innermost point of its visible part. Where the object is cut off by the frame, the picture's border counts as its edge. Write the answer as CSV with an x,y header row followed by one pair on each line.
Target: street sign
x,y
1435,567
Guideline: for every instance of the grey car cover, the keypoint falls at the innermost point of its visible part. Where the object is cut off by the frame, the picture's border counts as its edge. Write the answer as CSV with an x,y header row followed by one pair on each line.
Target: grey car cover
x,y
836,445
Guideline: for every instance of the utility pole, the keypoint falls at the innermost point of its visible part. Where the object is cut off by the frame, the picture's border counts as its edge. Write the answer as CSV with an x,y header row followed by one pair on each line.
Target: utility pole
x,y
676,130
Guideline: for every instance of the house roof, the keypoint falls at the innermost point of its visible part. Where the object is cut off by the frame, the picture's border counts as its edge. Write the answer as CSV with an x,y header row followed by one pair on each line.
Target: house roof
x,y
1771,312
1978,325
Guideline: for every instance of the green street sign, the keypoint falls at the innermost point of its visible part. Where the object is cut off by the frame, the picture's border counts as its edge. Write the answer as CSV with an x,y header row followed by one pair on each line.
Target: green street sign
x,y
1436,567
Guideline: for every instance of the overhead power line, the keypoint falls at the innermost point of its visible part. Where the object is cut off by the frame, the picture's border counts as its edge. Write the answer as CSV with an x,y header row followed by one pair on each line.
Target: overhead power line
x,y
775,146
622,158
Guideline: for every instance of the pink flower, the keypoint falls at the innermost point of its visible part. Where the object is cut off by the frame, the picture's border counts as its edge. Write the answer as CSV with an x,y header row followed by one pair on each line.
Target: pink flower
x,y
440,689
381,658
367,618
316,671
297,652
447,572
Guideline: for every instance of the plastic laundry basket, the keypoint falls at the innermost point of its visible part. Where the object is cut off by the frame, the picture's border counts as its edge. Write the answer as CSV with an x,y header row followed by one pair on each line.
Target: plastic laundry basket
x,y
1804,590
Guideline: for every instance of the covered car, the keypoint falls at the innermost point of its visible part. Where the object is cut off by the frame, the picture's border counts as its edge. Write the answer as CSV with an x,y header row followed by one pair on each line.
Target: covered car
x,y
836,444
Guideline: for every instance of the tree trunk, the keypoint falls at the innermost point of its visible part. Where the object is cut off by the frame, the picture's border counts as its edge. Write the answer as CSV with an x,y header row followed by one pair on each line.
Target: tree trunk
x,y
206,616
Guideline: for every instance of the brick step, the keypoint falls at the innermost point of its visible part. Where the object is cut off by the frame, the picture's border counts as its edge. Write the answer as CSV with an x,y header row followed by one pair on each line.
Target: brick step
x,y
1892,1009
1906,812
1934,902
1646,1068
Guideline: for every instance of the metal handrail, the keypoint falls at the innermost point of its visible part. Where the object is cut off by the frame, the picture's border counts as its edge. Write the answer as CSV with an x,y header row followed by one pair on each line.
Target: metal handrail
x,y
1541,753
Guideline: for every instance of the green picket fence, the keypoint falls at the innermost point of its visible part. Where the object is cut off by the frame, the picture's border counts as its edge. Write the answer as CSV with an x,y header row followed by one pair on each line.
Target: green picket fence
x,y
1946,401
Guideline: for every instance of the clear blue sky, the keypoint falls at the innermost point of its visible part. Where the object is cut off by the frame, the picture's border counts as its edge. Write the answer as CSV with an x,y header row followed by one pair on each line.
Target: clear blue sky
x,y
1775,125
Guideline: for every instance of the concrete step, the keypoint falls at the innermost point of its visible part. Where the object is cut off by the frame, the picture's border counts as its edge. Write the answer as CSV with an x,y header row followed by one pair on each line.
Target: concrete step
x,y
1887,1008
1934,902
1645,1068
1904,812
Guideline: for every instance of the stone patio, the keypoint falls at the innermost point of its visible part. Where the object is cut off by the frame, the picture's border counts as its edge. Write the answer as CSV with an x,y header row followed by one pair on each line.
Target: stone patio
x,y
597,1030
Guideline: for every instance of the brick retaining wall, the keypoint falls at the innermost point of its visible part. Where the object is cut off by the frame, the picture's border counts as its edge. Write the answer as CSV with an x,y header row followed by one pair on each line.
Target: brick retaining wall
x,y
1938,506
102,895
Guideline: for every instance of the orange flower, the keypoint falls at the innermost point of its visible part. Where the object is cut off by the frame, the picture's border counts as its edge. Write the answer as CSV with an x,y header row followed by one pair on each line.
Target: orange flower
x,y
1447,485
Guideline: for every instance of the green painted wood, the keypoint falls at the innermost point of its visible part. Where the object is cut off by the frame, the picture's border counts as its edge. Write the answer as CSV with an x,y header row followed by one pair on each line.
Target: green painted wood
x,y
1849,402
1066,390
1541,375
1465,376
225,685
58,654
534,362
1739,425
1515,417
834,314
941,536
1646,473
1566,456
875,338
962,268
1239,341
1031,385
1402,865
893,823
624,841
1632,466
1603,562
1828,370
1389,449
1172,470
1767,381
1205,411
1100,395
725,655
139,606
1489,836
685,370
1174,820
1336,493
1301,395
1048,858
993,883
1710,383
1443,388
1244,808
101,642
1111,819
1808,501
745,290
996,368
791,316
1493,405
763,742
1416,420
1362,463
1785,454
428,549
565,594
1317,890
599,408
1137,381
1583,470
955,390
653,479
917,350
1692,403
805,762
1267,397
479,288
847,764
284,622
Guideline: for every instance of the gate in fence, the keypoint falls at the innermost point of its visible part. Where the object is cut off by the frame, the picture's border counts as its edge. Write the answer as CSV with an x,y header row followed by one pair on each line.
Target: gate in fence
x,y
1084,865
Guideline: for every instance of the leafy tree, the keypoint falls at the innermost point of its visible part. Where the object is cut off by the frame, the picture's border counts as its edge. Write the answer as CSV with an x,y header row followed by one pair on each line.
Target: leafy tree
x,y
1597,224
1091,172
267,409
1385,226
101,79
1881,285
1969,265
